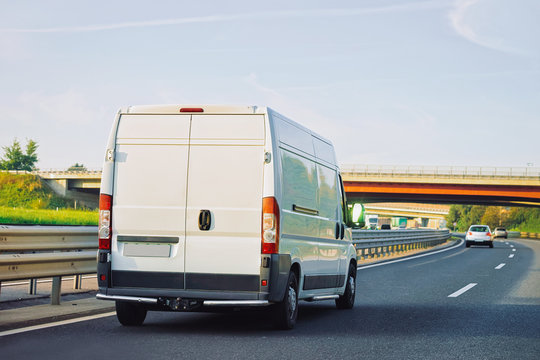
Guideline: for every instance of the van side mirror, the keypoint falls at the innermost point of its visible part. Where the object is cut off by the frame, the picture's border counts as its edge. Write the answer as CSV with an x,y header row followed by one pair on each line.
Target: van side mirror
x,y
357,212
356,216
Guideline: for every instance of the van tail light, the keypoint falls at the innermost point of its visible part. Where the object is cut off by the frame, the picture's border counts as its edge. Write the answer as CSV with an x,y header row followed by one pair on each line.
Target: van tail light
x,y
470,233
488,234
104,227
191,110
270,226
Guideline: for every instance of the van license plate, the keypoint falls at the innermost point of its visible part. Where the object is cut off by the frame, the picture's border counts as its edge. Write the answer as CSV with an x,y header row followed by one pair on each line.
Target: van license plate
x,y
147,250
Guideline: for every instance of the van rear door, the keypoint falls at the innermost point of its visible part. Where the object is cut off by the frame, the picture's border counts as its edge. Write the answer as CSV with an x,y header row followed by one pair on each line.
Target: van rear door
x,y
225,186
149,201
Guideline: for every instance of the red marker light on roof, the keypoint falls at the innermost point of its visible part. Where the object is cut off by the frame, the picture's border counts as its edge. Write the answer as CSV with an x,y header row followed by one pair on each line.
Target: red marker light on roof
x,y
191,110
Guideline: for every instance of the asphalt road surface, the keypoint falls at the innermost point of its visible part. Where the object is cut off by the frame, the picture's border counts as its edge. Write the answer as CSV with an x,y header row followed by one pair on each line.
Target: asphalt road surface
x,y
458,304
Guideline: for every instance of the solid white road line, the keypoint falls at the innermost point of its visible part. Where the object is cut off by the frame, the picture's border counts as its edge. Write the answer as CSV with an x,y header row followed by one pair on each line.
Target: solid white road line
x,y
58,323
410,258
511,256
462,290
500,266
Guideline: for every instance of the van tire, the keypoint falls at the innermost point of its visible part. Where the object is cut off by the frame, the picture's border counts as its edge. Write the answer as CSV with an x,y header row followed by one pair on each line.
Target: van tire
x,y
130,314
346,301
285,312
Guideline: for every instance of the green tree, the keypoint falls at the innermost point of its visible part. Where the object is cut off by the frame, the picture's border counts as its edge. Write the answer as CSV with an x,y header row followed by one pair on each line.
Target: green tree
x,y
452,217
517,218
15,159
492,217
77,167
465,216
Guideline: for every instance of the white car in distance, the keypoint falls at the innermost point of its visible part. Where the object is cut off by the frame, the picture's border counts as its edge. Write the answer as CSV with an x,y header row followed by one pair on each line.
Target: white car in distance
x,y
478,235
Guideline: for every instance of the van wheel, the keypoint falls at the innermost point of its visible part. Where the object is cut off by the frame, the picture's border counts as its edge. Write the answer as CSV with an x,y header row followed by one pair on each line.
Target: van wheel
x,y
130,314
346,301
286,312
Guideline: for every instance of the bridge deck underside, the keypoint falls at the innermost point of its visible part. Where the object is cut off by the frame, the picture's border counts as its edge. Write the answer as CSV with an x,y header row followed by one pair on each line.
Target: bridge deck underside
x,y
369,192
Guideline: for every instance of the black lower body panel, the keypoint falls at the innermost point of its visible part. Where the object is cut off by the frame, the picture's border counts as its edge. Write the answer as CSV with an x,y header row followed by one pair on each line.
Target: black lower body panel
x,y
184,281
323,281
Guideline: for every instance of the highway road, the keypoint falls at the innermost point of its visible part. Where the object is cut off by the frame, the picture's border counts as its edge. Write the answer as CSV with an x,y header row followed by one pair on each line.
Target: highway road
x,y
463,303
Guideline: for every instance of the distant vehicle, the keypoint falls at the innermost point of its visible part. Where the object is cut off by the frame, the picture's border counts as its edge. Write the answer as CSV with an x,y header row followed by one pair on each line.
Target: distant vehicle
x,y
399,222
500,232
372,221
384,221
386,227
209,206
478,235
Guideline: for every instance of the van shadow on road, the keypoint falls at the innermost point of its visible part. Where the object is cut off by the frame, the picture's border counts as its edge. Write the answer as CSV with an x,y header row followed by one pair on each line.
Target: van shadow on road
x,y
522,321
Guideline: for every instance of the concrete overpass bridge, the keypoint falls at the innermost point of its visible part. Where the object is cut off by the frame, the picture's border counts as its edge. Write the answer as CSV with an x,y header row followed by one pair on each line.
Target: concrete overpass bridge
x,y
82,186
374,184
443,185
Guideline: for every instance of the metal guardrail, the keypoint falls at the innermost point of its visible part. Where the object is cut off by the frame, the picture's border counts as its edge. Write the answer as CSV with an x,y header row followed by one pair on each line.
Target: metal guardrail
x,y
451,171
380,243
522,235
31,252
530,235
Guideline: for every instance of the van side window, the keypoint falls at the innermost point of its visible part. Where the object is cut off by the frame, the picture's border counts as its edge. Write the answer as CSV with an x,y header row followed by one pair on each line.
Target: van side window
x,y
299,181
328,193
344,212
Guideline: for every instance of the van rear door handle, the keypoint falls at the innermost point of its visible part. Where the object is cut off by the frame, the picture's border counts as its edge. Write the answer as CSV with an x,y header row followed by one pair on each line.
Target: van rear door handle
x,y
205,220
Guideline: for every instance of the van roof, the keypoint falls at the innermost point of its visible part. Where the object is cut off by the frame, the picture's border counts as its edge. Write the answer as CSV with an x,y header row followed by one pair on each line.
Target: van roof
x,y
211,109
207,109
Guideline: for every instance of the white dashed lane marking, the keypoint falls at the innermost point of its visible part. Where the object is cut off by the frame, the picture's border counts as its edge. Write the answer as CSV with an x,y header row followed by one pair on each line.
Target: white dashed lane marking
x,y
462,290
511,256
500,266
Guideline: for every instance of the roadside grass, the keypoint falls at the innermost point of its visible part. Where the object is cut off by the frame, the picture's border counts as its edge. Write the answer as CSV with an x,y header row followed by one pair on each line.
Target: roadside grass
x,y
20,216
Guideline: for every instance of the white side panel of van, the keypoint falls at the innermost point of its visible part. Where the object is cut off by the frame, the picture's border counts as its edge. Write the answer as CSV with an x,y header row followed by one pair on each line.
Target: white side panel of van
x,y
225,177
150,190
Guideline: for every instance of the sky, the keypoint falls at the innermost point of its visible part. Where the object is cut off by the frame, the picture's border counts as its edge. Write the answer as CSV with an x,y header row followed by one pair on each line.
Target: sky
x,y
389,82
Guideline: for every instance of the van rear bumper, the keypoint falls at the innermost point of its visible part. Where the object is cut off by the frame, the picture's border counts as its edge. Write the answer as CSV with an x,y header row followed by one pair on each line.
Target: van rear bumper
x,y
154,301
135,293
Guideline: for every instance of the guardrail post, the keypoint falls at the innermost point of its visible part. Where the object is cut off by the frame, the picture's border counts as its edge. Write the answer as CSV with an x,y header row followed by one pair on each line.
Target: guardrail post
x,y
56,289
33,287
77,282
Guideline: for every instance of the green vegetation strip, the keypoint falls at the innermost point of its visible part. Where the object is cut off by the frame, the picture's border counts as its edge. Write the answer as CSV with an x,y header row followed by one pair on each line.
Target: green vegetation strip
x,y
18,216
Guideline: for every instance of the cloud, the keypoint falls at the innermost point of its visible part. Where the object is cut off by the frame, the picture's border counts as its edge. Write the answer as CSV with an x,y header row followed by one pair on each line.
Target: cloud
x,y
69,107
411,6
458,20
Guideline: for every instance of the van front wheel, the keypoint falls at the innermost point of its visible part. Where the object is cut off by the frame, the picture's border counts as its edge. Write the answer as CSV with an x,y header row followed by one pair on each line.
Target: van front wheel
x,y
286,312
346,301
130,314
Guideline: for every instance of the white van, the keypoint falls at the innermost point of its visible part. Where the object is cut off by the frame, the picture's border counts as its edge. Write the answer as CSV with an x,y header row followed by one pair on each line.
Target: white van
x,y
205,206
